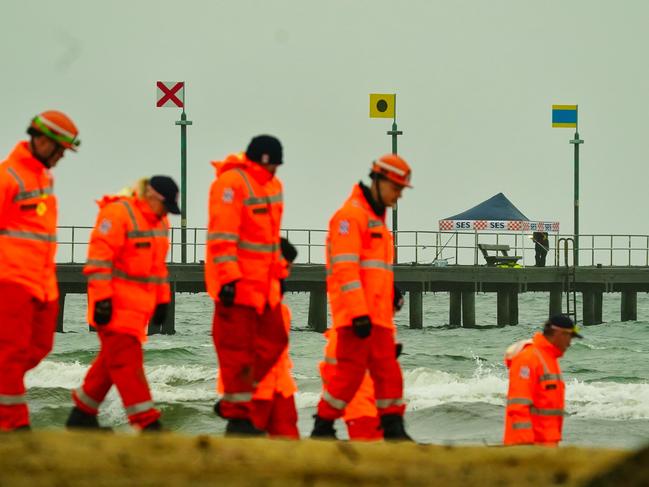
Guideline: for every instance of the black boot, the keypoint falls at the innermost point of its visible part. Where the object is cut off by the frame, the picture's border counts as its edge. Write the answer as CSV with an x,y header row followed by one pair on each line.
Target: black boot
x,y
393,428
323,428
241,427
80,420
155,427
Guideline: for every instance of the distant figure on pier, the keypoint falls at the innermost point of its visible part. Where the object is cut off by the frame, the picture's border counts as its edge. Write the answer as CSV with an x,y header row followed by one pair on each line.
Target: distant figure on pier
x,y
128,286
244,275
536,396
360,284
541,247
28,288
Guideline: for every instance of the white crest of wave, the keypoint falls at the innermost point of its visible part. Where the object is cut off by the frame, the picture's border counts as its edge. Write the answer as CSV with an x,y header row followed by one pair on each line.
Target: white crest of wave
x,y
607,400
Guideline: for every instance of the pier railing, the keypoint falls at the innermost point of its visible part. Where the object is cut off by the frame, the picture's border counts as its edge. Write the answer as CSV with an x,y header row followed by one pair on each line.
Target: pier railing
x,y
421,247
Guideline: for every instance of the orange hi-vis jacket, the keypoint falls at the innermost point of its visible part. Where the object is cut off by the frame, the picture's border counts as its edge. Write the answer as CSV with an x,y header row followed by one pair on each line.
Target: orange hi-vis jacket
x,y
364,402
28,217
243,240
126,262
279,379
536,397
360,280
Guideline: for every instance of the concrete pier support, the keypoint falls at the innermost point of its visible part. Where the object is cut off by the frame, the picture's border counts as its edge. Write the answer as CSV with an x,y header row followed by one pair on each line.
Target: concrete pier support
x,y
502,318
556,296
588,307
318,310
468,309
169,325
455,308
513,307
629,306
416,309
59,318
598,304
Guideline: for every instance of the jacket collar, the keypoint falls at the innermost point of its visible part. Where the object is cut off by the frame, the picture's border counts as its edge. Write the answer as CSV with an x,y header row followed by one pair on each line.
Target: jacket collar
x,y
359,193
146,211
544,345
23,155
233,161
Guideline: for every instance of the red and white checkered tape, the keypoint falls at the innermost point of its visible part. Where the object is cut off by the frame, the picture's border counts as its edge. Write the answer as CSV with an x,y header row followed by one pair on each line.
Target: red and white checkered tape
x,y
555,227
514,226
480,225
445,225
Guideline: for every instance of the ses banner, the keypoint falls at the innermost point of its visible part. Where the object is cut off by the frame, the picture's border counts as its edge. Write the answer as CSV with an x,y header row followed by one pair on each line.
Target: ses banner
x,y
497,226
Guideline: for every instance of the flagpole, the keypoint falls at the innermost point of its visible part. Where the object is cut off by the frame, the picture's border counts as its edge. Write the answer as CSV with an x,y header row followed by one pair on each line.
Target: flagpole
x,y
183,122
576,142
395,222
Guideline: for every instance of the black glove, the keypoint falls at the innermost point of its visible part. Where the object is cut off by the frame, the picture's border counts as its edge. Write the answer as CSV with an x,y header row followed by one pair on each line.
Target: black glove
x,y
160,314
362,326
289,252
103,311
398,348
397,301
282,286
226,295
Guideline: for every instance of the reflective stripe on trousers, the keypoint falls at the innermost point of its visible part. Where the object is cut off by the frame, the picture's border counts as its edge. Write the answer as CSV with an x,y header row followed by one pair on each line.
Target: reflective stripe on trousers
x,y
519,400
237,397
386,403
86,399
139,407
522,426
350,286
333,401
547,412
12,400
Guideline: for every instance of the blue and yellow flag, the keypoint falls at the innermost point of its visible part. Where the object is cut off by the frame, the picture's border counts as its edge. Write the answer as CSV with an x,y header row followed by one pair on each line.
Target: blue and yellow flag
x,y
564,116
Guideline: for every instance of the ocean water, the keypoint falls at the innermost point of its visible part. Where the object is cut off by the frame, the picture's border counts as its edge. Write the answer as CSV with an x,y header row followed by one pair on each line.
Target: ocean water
x,y
455,381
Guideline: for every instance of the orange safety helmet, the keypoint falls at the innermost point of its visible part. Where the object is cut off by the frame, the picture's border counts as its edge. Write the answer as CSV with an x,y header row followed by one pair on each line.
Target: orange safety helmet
x,y
393,168
56,126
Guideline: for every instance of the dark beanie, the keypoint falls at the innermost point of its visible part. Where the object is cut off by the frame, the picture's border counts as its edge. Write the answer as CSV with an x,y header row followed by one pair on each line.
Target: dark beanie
x,y
265,149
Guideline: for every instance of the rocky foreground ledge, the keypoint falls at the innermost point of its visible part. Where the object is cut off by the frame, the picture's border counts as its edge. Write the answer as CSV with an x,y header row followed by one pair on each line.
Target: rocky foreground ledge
x,y
104,459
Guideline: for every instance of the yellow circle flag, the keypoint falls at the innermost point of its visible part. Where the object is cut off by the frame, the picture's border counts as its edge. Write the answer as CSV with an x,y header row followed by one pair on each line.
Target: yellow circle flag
x,y
382,105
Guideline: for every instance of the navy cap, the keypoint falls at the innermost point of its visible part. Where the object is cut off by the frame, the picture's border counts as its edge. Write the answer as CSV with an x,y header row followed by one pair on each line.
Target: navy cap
x,y
265,149
564,321
168,189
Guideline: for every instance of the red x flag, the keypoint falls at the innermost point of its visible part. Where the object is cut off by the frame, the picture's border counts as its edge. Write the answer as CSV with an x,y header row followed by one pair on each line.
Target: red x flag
x,y
170,94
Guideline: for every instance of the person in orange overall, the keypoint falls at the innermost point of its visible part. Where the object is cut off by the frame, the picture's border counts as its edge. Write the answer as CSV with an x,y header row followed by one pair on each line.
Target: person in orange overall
x,y
360,285
244,275
273,402
536,395
28,287
361,416
128,286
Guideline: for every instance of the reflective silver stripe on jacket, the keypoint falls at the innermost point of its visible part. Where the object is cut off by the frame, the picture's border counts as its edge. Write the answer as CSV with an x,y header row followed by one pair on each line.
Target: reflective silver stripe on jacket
x,y
139,407
237,397
147,233
375,264
385,403
131,215
263,200
105,264
550,377
141,279
334,402
519,400
522,426
547,412
86,399
100,277
19,180
230,237
41,237
26,195
224,258
258,247
350,286
330,360
246,182
347,258
12,400
374,223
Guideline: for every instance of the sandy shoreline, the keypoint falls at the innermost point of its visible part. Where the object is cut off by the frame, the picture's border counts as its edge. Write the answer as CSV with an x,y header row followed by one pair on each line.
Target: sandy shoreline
x,y
70,459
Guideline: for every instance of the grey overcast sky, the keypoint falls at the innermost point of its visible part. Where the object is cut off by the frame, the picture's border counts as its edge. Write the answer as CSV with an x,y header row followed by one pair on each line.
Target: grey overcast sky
x,y
475,83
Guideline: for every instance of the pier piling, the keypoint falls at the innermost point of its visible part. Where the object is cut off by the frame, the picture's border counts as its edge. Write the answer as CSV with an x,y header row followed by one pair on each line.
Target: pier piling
x,y
629,306
59,319
318,310
502,298
415,304
468,309
455,308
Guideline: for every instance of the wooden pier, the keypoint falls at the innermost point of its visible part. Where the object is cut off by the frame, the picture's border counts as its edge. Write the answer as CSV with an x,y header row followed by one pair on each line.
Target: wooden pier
x,y
461,282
